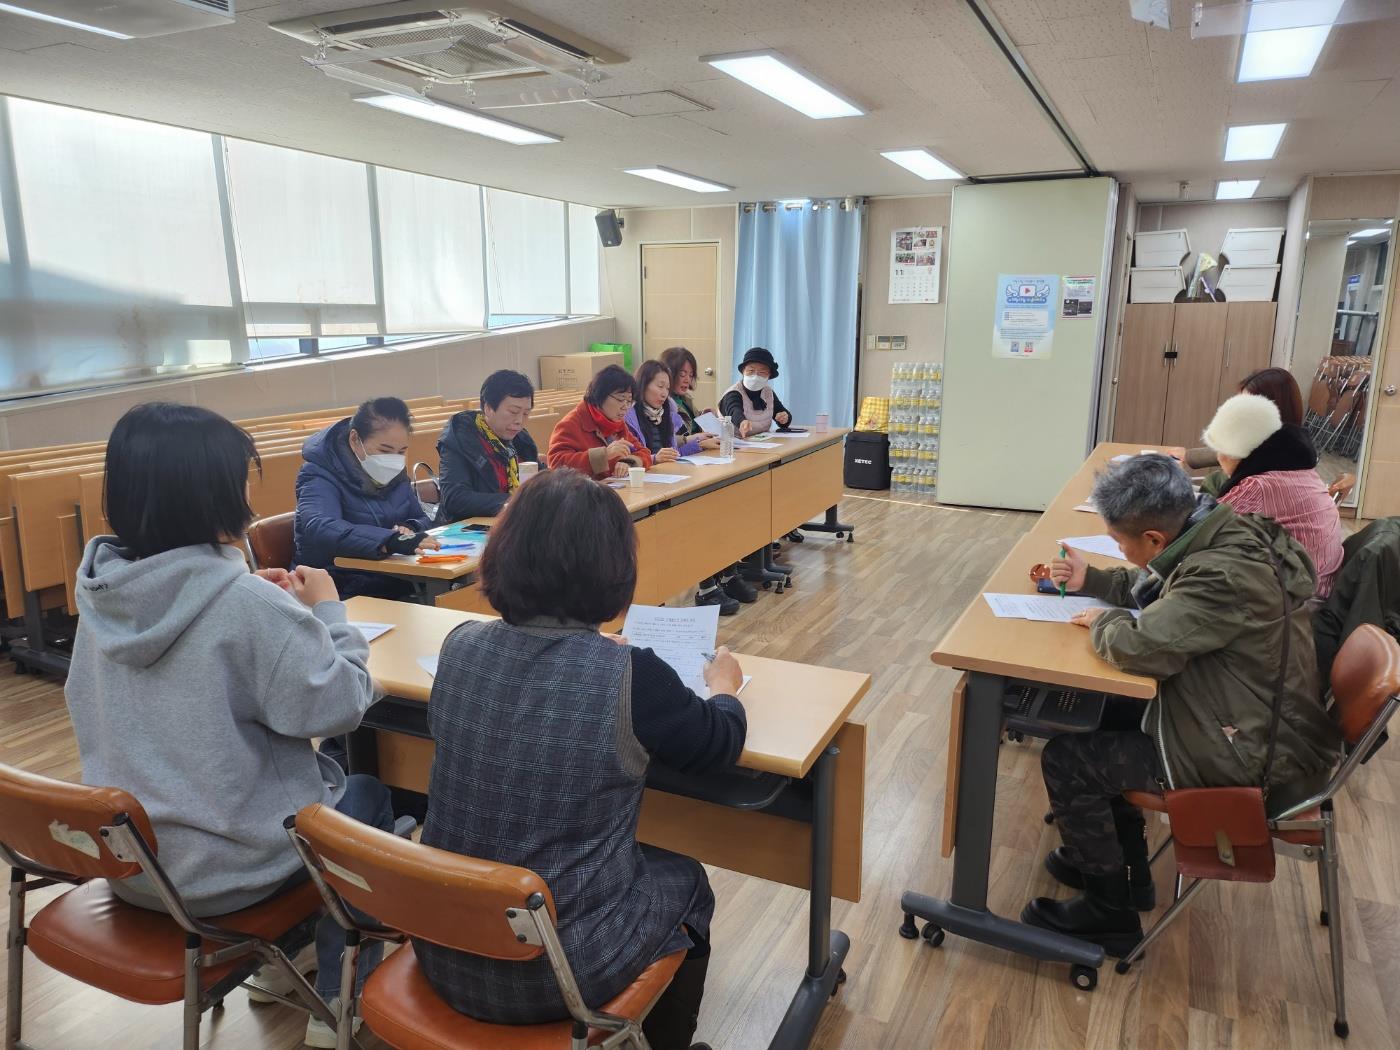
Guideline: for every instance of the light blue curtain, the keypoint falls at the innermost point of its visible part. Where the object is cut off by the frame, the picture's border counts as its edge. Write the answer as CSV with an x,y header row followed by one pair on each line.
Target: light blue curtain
x,y
798,273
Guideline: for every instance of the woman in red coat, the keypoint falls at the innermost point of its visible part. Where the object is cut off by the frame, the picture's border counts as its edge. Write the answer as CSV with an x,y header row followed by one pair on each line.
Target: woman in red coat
x,y
593,438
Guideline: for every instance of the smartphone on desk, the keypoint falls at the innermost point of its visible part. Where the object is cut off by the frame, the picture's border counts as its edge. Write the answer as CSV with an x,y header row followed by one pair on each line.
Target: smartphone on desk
x,y
1047,587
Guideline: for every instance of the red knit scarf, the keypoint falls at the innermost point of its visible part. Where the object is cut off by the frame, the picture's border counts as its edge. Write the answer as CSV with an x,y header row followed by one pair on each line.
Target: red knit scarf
x,y
609,428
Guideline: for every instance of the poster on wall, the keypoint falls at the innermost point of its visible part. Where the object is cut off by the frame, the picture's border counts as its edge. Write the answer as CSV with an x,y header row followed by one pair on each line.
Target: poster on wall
x,y
914,260
1077,300
1024,327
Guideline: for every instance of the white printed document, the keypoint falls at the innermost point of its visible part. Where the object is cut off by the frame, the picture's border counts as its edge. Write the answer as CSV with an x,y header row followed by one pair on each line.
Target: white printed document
x,y
710,423
664,479
371,631
1046,608
1105,545
710,461
682,636
1088,507
429,664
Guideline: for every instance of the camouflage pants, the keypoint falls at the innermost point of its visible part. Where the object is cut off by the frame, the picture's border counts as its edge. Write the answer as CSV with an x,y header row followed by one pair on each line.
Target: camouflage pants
x,y
1085,776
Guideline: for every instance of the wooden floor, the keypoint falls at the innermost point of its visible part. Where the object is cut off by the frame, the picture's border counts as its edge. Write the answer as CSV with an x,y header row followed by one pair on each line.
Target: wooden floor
x,y
1247,969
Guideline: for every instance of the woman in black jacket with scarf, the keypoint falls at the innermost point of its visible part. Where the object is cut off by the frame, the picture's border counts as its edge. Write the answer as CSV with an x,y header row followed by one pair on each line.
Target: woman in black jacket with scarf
x,y
480,451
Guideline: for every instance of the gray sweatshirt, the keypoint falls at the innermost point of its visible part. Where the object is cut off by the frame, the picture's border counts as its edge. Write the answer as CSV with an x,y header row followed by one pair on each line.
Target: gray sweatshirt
x,y
197,686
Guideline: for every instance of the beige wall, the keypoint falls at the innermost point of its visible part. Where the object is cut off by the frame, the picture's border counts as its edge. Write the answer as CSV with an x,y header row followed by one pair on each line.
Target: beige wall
x,y
1291,277
622,266
920,323
453,368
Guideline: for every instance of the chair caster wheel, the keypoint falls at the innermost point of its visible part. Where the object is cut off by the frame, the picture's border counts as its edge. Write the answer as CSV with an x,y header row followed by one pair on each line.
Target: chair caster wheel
x,y
218,1005
1121,967
1049,818
934,935
840,535
1015,736
787,582
779,590
767,585
1341,1028
907,929
20,668
1085,978
840,980
1324,918
851,538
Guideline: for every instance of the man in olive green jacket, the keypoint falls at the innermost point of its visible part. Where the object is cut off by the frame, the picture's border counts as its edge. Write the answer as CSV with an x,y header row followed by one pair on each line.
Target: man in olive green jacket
x,y
1210,628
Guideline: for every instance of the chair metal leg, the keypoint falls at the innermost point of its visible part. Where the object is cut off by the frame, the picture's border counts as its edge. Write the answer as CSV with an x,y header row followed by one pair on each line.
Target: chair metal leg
x,y
1178,906
14,951
1324,908
1158,853
192,1004
349,971
1331,875
1176,888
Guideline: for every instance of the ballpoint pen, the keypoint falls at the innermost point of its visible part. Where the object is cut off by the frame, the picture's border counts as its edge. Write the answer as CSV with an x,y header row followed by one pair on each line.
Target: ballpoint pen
x,y
1064,553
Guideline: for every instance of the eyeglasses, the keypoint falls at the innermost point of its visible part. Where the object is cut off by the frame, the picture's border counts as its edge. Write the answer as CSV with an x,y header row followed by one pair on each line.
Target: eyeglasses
x,y
621,398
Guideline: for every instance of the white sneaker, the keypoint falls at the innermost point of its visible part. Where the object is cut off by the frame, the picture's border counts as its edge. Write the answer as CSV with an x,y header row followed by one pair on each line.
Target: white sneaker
x,y
269,981
321,1035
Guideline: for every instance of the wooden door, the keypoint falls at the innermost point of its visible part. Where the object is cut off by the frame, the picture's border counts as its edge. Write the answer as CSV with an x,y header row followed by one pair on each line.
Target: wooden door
x,y
1249,344
1381,479
1141,386
680,307
1198,337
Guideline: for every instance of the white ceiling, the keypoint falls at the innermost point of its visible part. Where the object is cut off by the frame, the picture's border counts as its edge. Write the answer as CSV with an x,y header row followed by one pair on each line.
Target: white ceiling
x,y
1148,106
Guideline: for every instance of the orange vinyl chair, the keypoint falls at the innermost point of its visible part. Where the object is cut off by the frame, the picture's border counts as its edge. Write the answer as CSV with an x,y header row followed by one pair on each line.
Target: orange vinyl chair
x,y
1366,693
271,541
55,832
471,905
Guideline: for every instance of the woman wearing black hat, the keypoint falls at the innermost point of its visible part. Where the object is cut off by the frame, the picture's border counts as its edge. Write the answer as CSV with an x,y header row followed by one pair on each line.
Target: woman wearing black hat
x,y
751,404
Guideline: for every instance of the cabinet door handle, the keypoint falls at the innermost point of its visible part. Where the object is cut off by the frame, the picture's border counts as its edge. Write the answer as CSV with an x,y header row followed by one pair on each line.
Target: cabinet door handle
x,y
1166,354
1171,354
1227,353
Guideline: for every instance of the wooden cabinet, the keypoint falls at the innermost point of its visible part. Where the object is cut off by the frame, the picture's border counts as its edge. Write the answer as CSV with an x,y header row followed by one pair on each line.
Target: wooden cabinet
x,y
1179,361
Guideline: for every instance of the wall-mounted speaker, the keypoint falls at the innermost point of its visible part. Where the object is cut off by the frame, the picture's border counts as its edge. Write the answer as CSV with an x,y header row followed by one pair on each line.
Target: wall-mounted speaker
x,y
609,227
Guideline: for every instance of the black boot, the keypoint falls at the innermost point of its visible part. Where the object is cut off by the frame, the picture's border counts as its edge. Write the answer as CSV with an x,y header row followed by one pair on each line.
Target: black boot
x,y
737,589
672,1021
1103,914
1143,893
714,596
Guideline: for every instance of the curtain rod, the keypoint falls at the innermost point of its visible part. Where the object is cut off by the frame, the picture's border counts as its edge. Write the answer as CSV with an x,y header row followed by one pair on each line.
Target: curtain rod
x,y
816,204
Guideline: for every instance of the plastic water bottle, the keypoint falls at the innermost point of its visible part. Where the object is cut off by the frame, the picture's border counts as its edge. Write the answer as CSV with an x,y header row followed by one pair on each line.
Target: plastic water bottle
x,y
726,437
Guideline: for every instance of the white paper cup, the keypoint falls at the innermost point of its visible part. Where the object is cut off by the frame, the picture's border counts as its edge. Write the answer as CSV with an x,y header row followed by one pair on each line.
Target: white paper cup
x,y
528,469
635,476
823,422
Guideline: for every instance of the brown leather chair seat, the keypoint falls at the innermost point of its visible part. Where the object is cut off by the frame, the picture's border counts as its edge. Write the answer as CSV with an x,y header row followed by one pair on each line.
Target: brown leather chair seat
x,y
401,1008
1303,836
273,542
1148,800
94,936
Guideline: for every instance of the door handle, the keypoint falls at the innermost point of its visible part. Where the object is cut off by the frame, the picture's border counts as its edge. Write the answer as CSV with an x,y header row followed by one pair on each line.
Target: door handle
x,y
1390,390
1166,355
1170,355
1227,353
709,371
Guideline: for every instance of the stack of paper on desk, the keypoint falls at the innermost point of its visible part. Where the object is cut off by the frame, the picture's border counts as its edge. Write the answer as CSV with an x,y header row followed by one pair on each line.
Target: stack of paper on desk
x,y
1105,545
680,636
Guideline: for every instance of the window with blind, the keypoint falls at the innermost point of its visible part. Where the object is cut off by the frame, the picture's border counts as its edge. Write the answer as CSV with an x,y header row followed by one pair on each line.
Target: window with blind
x,y
130,250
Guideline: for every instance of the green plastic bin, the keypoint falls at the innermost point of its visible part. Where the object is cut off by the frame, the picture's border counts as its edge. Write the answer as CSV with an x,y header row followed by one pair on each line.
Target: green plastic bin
x,y
625,349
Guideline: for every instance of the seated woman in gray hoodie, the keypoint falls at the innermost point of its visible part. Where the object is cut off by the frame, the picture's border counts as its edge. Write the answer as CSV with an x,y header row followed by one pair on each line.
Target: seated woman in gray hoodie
x,y
197,685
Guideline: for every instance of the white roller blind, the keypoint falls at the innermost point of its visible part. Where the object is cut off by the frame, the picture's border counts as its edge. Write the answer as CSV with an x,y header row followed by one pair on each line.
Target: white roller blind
x,y
430,243
302,228
583,260
124,270
525,254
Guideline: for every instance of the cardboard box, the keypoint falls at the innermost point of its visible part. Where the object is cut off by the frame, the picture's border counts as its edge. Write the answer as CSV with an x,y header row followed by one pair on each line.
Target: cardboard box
x,y
573,371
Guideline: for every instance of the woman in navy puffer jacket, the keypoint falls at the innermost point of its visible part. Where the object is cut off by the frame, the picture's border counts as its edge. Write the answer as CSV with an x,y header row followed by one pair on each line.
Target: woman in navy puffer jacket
x,y
354,499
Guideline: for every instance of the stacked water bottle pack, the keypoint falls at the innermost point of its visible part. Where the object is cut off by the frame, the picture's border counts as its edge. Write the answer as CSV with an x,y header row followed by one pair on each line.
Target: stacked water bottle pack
x,y
916,413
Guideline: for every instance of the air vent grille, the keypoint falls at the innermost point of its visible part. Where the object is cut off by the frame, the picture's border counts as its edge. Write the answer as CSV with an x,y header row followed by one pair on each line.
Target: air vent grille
x,y
471,58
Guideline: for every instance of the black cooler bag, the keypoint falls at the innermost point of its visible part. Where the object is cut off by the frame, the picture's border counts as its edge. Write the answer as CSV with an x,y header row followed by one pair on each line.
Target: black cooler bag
x,y
867,460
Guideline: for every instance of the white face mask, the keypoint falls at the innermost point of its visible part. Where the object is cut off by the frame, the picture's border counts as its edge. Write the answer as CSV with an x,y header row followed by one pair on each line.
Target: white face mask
x,y
382,468
755,382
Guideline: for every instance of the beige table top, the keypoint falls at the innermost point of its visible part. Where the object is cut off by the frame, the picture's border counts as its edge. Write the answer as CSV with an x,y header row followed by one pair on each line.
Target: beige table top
x,y
698,477
793,709
1043,652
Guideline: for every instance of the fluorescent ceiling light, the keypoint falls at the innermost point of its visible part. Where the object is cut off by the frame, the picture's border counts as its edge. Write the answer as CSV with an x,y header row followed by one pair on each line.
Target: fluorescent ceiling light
x,y
1370,233
1236,190
1253,141
679,178
922,163
12,9
459,118
1277,47
368,80
767,72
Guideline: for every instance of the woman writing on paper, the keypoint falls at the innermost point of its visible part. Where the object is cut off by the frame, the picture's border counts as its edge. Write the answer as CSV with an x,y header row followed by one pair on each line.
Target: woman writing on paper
x,y
593,438
563,799
751,404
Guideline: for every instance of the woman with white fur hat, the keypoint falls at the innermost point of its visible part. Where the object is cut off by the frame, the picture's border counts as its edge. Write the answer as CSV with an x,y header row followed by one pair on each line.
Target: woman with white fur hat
x,y
1272,472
